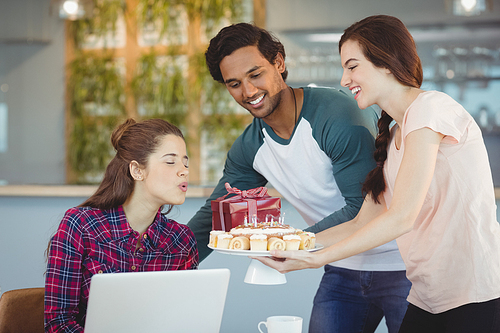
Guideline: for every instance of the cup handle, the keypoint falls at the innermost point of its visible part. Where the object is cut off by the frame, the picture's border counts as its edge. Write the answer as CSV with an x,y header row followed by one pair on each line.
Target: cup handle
x,y
258,326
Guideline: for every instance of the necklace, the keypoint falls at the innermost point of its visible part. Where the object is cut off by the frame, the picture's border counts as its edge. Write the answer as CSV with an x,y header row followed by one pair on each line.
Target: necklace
x,y
295,104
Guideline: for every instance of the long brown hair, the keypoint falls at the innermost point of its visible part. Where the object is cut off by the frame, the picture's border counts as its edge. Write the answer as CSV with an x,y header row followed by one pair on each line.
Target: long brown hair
x,y
132,141
386,43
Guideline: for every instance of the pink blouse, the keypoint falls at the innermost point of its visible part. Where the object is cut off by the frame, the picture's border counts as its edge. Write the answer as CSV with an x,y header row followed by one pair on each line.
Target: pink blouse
x,y
452,255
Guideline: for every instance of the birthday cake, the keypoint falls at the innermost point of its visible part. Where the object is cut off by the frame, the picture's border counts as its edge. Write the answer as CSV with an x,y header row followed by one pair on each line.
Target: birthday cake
x,y
265,236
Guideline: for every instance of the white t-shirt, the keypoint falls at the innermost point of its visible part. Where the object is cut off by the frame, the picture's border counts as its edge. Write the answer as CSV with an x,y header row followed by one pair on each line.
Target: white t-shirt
x,y
316,194
452,255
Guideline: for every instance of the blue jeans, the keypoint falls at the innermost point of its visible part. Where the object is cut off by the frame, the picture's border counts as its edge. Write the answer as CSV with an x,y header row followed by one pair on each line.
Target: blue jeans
x,y
349,301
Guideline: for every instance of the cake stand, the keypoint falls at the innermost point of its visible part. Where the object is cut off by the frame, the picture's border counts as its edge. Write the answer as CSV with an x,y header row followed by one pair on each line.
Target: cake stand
x,y
257,272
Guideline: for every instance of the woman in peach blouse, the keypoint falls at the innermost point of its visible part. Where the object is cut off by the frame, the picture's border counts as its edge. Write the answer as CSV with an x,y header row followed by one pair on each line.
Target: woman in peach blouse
x,y
432,189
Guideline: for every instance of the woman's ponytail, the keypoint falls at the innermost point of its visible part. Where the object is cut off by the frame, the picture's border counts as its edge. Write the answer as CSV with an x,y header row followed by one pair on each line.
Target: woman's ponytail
x,y
375,183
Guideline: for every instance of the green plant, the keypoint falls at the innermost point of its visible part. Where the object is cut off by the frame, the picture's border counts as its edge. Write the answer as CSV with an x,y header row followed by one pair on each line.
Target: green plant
x,y
163,14
160,88
220,117
218,108
174,84
97,106
213,11
103,20
159,15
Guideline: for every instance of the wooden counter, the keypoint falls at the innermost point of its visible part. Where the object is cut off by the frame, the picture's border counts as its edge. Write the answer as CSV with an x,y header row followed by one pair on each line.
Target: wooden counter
x,y
87,190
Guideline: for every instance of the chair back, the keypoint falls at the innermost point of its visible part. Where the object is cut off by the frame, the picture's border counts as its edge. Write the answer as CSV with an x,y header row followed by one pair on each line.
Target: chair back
x,y
22,311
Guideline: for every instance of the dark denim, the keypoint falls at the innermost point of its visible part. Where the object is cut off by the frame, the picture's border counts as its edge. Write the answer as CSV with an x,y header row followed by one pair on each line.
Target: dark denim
x,y
349,301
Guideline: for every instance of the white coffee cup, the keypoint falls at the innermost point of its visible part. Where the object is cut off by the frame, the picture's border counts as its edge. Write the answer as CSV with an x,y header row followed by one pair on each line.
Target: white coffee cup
x,y
282,324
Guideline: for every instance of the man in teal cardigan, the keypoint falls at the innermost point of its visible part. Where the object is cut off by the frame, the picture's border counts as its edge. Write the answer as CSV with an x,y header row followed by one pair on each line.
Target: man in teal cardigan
x,y
315,147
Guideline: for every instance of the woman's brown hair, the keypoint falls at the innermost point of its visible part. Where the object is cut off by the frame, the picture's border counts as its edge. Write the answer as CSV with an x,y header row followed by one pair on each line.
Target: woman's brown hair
x,y
386,43
132,141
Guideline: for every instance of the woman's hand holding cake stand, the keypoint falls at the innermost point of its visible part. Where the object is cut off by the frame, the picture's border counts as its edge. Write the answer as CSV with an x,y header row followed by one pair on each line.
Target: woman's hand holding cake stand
x,y
287,261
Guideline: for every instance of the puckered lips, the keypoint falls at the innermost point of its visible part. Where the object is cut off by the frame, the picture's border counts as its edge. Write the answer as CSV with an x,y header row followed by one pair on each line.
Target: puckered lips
x,y
183,186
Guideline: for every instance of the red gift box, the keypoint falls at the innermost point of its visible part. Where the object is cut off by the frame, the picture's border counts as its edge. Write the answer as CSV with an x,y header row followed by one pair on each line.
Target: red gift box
x,y
231,212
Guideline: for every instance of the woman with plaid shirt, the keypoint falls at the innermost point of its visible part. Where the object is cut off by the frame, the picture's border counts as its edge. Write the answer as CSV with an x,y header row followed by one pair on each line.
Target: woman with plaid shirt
x,y
121,228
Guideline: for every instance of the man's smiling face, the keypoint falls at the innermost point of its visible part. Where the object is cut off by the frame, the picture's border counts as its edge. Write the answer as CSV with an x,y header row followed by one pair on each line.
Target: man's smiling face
x,y
253,82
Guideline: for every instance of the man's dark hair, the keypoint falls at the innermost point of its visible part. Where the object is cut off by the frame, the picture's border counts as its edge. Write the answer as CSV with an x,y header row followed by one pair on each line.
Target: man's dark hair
x,y
236,36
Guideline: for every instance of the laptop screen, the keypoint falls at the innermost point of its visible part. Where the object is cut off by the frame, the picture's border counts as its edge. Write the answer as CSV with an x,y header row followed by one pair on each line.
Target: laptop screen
x,y
167,301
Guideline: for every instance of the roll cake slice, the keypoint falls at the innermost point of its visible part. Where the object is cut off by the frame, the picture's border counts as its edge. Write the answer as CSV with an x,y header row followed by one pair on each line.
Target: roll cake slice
x,y
239,243
307,241
275,243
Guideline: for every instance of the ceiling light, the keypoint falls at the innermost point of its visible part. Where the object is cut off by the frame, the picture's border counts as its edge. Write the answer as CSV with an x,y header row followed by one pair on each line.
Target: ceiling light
x,y
72,9
468,7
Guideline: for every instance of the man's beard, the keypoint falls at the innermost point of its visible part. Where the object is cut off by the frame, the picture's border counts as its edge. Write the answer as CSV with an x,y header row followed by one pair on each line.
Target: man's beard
x,y
274,102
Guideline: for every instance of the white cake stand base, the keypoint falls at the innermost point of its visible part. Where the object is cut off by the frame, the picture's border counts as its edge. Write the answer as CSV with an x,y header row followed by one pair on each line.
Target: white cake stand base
x,y
258,273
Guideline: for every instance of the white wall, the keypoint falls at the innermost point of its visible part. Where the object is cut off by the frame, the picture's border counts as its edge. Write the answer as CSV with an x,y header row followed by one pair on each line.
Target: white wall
x,y
32,87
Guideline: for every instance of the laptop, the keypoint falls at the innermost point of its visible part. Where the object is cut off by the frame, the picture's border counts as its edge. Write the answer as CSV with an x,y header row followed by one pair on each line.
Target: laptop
x,y
167,301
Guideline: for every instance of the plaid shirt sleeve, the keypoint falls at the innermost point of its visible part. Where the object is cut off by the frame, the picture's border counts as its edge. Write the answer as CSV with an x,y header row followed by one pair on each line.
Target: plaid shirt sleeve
x,y
64,277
